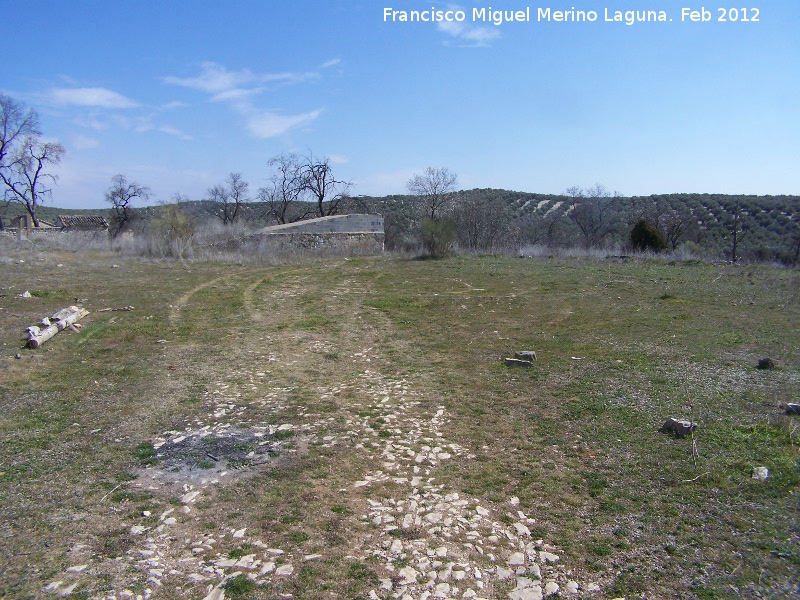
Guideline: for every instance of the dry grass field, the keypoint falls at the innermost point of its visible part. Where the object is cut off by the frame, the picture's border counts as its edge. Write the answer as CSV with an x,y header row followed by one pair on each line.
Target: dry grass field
x,y
348,429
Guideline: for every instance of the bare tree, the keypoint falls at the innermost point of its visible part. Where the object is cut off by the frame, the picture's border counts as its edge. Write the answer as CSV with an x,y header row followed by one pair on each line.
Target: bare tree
x,y
283,196
24,159
591,211
26,178
16,124
484,224
434,188
120,195
302,187
229,197
673,226
325,190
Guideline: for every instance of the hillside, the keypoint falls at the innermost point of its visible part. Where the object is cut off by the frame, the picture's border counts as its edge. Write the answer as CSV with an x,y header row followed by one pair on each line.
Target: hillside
x,y
767,227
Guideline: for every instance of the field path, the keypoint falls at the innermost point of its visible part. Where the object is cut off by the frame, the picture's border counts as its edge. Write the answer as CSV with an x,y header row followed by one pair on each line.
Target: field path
x,y
308,381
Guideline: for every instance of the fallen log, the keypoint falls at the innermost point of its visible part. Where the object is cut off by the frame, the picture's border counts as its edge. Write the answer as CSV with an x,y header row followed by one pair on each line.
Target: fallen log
x,y
67,318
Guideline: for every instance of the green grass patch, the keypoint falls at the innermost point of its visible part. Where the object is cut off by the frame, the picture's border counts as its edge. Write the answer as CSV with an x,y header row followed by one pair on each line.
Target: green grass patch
x,y
239,587
145,453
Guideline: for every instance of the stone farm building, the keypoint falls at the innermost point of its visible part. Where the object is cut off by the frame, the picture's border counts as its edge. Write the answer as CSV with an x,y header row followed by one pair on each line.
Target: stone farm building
x,y
84,226
81,223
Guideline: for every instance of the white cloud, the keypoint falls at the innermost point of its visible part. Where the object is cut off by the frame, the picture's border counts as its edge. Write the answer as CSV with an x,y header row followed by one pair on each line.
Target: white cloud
x,y
469,36
235,95
174,131
481,35
95,124
268,124
331,63
173,104
239,88
145,124
82,142
216,78
94,96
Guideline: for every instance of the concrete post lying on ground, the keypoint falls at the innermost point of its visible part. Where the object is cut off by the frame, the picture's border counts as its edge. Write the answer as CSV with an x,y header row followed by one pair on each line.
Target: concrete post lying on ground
x,y
37,337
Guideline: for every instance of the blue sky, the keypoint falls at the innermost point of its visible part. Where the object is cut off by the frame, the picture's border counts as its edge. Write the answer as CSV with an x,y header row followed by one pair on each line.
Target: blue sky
x,y
177,94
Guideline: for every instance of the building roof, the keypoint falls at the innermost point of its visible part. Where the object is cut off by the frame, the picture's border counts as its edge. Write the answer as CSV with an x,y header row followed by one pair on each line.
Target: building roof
x,y
81,221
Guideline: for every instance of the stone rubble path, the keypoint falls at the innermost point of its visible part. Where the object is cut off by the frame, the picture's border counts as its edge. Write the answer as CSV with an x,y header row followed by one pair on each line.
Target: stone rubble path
x,y
434,543
431,542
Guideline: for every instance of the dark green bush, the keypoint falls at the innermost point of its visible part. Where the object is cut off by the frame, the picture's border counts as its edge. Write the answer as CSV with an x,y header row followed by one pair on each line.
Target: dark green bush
x,y
645,236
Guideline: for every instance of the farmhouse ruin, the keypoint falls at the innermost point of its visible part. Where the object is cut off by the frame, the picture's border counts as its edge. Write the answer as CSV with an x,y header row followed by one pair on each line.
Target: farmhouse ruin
x,y
338,235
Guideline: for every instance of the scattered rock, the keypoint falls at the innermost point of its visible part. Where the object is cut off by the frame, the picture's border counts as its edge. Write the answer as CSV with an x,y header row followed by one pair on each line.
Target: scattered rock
x,y
551,588
76,568
68,590
680,428
526,590
766,363
408,575
761,473
548,557
189,497
503,574
522,529
515,362
450,547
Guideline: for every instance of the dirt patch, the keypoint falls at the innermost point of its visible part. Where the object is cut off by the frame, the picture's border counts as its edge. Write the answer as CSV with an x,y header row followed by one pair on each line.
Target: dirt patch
x,y
209,456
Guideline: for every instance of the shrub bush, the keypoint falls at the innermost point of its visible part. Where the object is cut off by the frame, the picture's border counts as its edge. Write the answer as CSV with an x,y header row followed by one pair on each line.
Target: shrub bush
x,y
172,233
438,237
645,236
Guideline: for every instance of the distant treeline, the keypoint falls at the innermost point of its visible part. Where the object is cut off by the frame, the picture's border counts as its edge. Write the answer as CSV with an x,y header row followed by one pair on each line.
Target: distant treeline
x,y
717,226
761,227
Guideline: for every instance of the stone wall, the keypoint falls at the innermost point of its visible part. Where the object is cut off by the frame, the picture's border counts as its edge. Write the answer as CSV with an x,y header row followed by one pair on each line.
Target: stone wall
x,y
53,233
339,235
300,243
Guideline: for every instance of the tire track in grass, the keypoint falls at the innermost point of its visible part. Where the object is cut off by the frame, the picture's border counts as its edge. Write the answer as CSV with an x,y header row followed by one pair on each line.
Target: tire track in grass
x,y
182,302
430,542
